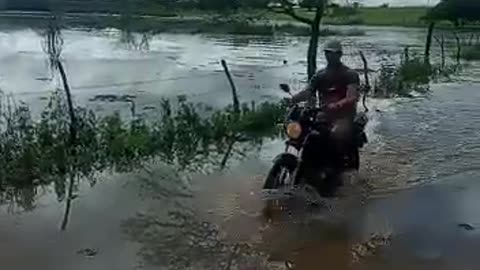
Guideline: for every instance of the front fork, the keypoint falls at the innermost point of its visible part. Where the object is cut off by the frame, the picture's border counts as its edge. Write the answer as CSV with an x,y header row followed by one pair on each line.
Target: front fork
x,y
291,148
299,173
311,161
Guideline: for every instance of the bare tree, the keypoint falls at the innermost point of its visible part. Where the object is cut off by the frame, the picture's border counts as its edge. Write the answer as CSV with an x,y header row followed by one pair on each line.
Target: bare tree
x,y
287,7
53,43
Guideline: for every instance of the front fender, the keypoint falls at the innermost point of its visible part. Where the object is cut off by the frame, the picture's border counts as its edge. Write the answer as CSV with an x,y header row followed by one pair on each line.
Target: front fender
x,y
287,159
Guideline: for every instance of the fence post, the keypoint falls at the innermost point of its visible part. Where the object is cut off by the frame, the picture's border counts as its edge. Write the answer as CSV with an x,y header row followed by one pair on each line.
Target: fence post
x,y
236,103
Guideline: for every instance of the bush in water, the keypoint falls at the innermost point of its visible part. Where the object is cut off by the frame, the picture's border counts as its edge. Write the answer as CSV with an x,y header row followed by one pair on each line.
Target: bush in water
x,y
412,74
37,152
471,53
415,71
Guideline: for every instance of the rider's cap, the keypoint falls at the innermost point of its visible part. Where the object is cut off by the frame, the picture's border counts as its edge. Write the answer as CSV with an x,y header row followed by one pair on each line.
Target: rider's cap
x,y
333,46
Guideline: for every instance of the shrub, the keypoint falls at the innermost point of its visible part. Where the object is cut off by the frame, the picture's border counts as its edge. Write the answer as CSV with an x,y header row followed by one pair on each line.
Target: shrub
x,y
40,152
471,53
412,74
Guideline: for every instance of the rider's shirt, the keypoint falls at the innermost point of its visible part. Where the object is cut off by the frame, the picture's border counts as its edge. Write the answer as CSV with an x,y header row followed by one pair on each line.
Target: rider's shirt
x,y
331,85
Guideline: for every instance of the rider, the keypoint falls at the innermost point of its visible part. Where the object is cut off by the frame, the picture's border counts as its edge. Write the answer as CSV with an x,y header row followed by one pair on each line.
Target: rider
x,y
337,87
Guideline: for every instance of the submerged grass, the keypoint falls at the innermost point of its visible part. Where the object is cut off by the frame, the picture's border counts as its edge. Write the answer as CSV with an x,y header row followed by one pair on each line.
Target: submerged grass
x,y
36,153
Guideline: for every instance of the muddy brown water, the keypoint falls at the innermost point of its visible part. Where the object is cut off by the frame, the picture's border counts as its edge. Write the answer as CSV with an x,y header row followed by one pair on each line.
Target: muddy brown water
x,y
417,183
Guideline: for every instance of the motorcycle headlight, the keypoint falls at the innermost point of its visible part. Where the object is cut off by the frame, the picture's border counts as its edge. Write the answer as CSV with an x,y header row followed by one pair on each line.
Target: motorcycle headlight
x,y
294,130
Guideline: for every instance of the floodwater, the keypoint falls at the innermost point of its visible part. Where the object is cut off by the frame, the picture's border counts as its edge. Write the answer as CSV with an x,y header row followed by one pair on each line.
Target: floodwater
x,y
417,188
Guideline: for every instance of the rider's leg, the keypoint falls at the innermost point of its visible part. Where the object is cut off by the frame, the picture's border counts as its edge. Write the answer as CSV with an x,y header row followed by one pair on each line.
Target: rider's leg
x,y
342,134
341,138
313,156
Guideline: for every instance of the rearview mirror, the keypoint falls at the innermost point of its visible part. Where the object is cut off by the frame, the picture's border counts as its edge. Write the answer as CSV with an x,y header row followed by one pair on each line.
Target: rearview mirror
x,y
285,87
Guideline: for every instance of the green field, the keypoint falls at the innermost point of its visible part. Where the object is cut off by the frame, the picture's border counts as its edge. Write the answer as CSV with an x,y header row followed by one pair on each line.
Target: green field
x,y
375,16
410,16
399,16
238,21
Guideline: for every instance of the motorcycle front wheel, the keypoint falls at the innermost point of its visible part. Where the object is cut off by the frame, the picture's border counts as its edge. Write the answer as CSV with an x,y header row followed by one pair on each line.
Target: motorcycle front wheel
x,y
281,171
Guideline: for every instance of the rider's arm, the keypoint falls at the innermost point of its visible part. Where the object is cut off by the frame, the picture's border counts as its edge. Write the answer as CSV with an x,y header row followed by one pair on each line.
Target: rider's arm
x,y
309,91
353,95
303,95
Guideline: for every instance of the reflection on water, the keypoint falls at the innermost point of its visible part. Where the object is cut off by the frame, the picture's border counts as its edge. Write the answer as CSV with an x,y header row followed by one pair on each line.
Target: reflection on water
x,y
18,200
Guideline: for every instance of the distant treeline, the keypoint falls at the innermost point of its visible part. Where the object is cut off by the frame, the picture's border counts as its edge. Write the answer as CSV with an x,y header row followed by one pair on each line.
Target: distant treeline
x,y
136,6
73,5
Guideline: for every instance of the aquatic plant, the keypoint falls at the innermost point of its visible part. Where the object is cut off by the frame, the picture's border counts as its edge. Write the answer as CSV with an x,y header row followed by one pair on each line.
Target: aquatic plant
x,y
39,152
411,74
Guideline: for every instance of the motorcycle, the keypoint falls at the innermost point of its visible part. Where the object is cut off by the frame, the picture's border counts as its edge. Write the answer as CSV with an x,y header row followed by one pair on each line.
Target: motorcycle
x,y
308,155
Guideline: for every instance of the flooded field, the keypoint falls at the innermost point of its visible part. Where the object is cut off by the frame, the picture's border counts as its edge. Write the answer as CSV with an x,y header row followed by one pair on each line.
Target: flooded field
x,y
416,190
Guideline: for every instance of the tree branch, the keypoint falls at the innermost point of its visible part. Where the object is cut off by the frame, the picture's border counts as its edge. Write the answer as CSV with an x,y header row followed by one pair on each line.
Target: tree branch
x,y
287,9
367,80
297,17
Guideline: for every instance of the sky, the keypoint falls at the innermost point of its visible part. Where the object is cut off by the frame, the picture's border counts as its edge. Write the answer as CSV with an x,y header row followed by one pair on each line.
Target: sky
x,y
395,2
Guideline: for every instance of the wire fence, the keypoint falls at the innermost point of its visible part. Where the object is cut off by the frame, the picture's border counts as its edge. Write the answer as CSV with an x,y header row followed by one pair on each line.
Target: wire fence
x,y
189,76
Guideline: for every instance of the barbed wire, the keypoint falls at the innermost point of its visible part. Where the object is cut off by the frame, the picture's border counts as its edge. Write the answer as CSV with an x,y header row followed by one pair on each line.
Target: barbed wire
x,y
141,82
169,79
159,80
